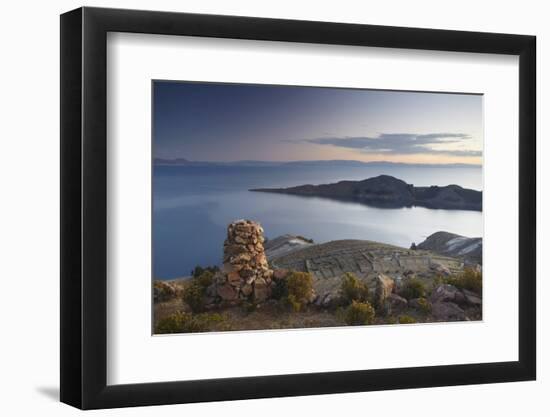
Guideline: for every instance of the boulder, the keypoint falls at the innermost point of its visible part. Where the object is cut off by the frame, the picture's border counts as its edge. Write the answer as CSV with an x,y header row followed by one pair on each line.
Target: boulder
x,y
447,311
234,279
460,298
228,292
471,298
448,293
445,293
328,300
440,269
397,304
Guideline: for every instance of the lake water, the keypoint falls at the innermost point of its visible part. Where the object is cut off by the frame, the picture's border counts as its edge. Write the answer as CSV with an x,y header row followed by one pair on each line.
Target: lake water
x,y
193,205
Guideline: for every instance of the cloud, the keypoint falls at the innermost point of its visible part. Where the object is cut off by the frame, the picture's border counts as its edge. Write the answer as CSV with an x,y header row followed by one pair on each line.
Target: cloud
x,y
403,143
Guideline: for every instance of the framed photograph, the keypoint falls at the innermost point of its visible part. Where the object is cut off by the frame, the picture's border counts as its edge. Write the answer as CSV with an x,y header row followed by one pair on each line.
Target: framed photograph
x,y
257,208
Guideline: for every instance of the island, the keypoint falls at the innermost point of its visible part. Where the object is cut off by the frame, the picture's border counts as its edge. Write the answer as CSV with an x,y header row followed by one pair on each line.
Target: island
x,y
390,192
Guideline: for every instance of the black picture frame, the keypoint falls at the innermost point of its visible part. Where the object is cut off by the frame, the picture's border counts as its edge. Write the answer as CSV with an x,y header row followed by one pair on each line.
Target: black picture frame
x,y
84,207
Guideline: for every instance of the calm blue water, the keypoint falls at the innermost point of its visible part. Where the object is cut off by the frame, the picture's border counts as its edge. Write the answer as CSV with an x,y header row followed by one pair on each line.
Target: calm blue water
x,y
193,205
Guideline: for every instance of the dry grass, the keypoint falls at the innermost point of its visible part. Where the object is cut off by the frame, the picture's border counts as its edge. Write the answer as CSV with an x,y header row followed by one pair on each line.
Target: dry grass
x,y
265,317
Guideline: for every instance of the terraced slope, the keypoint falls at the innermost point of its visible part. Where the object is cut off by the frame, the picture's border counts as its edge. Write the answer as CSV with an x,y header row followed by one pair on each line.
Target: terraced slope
x,y
329,261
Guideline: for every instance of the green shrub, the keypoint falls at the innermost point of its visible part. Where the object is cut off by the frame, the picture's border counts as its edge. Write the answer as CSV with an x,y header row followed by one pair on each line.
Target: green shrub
x,y
180,322
404,319
353,289
199,270
172,324
413,288
195,291
279,289
213,317
358,314
294,303
469,280
193,295
299,287
205,279
424,305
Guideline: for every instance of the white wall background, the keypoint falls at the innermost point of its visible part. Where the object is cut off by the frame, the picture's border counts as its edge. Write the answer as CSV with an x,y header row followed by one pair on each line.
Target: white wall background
x,y
29,237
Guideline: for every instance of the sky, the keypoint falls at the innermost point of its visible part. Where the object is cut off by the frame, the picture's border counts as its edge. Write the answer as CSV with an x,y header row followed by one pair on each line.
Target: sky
x,y
233,122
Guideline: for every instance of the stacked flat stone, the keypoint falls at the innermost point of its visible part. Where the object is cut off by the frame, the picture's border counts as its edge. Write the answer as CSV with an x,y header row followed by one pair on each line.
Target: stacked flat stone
x,y
245,273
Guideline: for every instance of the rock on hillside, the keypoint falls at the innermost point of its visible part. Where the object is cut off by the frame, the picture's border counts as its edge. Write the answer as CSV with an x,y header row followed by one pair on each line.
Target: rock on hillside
x,y
388,191
444,243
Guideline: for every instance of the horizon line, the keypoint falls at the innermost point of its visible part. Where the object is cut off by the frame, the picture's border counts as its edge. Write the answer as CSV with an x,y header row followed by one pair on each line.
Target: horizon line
x,y
315,160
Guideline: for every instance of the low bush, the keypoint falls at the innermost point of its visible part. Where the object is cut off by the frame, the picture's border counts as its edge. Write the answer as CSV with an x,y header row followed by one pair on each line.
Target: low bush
x,y
353,289
193,296
413,288
293,303
299,288
194,292
424,305
180,322
205,279
279,289
404,319
173,323
358,314
469,280
199,270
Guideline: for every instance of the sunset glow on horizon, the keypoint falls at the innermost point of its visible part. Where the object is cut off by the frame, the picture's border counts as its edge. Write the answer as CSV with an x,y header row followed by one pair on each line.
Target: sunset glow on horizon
x,y
232,122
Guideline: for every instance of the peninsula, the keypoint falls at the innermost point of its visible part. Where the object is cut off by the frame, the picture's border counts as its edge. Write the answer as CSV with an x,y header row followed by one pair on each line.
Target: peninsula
x,y
390,192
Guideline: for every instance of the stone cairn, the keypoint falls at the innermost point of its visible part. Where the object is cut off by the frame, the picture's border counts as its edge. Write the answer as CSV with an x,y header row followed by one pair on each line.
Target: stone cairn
x,y
245,274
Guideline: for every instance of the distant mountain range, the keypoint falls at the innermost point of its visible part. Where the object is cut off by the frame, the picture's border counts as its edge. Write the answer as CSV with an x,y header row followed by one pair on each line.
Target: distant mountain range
x,y
390,192
321,163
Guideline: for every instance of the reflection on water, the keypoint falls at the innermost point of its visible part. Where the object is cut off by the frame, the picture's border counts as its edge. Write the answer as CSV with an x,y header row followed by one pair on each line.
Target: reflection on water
x,y
193,205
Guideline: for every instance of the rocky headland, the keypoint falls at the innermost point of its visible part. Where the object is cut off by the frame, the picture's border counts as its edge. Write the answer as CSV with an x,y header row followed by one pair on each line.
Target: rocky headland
x,y
469,249
391,192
